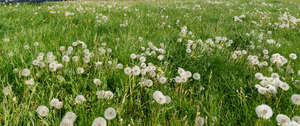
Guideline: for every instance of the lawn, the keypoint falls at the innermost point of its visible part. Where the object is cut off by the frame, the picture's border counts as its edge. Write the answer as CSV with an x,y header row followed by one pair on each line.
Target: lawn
x,y
153,62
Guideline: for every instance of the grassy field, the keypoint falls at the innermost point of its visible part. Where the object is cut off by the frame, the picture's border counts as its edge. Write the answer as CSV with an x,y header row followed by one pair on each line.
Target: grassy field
x,y
171,63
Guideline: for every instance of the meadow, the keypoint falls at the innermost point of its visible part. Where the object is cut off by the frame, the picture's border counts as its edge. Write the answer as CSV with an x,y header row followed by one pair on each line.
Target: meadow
x,y
153,62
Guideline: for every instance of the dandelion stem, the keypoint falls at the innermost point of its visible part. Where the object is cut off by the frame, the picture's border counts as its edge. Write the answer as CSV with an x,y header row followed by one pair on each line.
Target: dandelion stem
x,y
279,100
293,110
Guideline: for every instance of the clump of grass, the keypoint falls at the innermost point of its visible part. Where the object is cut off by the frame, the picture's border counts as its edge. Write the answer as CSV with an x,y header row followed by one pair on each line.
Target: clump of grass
x,y
150,63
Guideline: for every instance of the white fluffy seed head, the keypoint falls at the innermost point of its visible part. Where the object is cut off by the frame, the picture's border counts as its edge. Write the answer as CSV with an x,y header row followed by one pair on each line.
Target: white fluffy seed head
x,y
160,57
66,58
148,82
262,90
110,113
100,94
128,71
142,59
99,122
168,99
181,71
79,70
98,64
188,74
296,99
97,81
75,58
177,79
56,103
66,122
284,86
29,82
136,70
42,110
275,75
257,86
109,63
291,123
259,76
108,95
264,111
119,66
163,80
62,48
281,119
159,97
133,56
71,116
196,76
25,72
272,89
79,99
59,105
293,56
266,52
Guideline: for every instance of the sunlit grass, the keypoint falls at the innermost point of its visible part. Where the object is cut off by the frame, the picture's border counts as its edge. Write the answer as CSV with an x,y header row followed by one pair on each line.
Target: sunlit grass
x,y
179,34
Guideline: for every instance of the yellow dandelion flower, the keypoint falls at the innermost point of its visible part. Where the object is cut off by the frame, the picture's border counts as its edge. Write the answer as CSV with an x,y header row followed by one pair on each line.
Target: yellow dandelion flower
x,y
159,70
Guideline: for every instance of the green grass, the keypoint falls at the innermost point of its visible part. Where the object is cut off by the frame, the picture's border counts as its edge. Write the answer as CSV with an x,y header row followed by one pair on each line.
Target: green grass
x,y
225,94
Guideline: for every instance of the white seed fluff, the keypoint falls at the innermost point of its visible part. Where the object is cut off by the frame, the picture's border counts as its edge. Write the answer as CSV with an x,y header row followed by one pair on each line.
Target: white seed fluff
x,y
80,70
66,122
281,119
108,95
196,76
99,122
159,97
293,56
56,103
42,110
79,99
128,71
25,72
97,81
110,113
296,99
264,111
70,116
